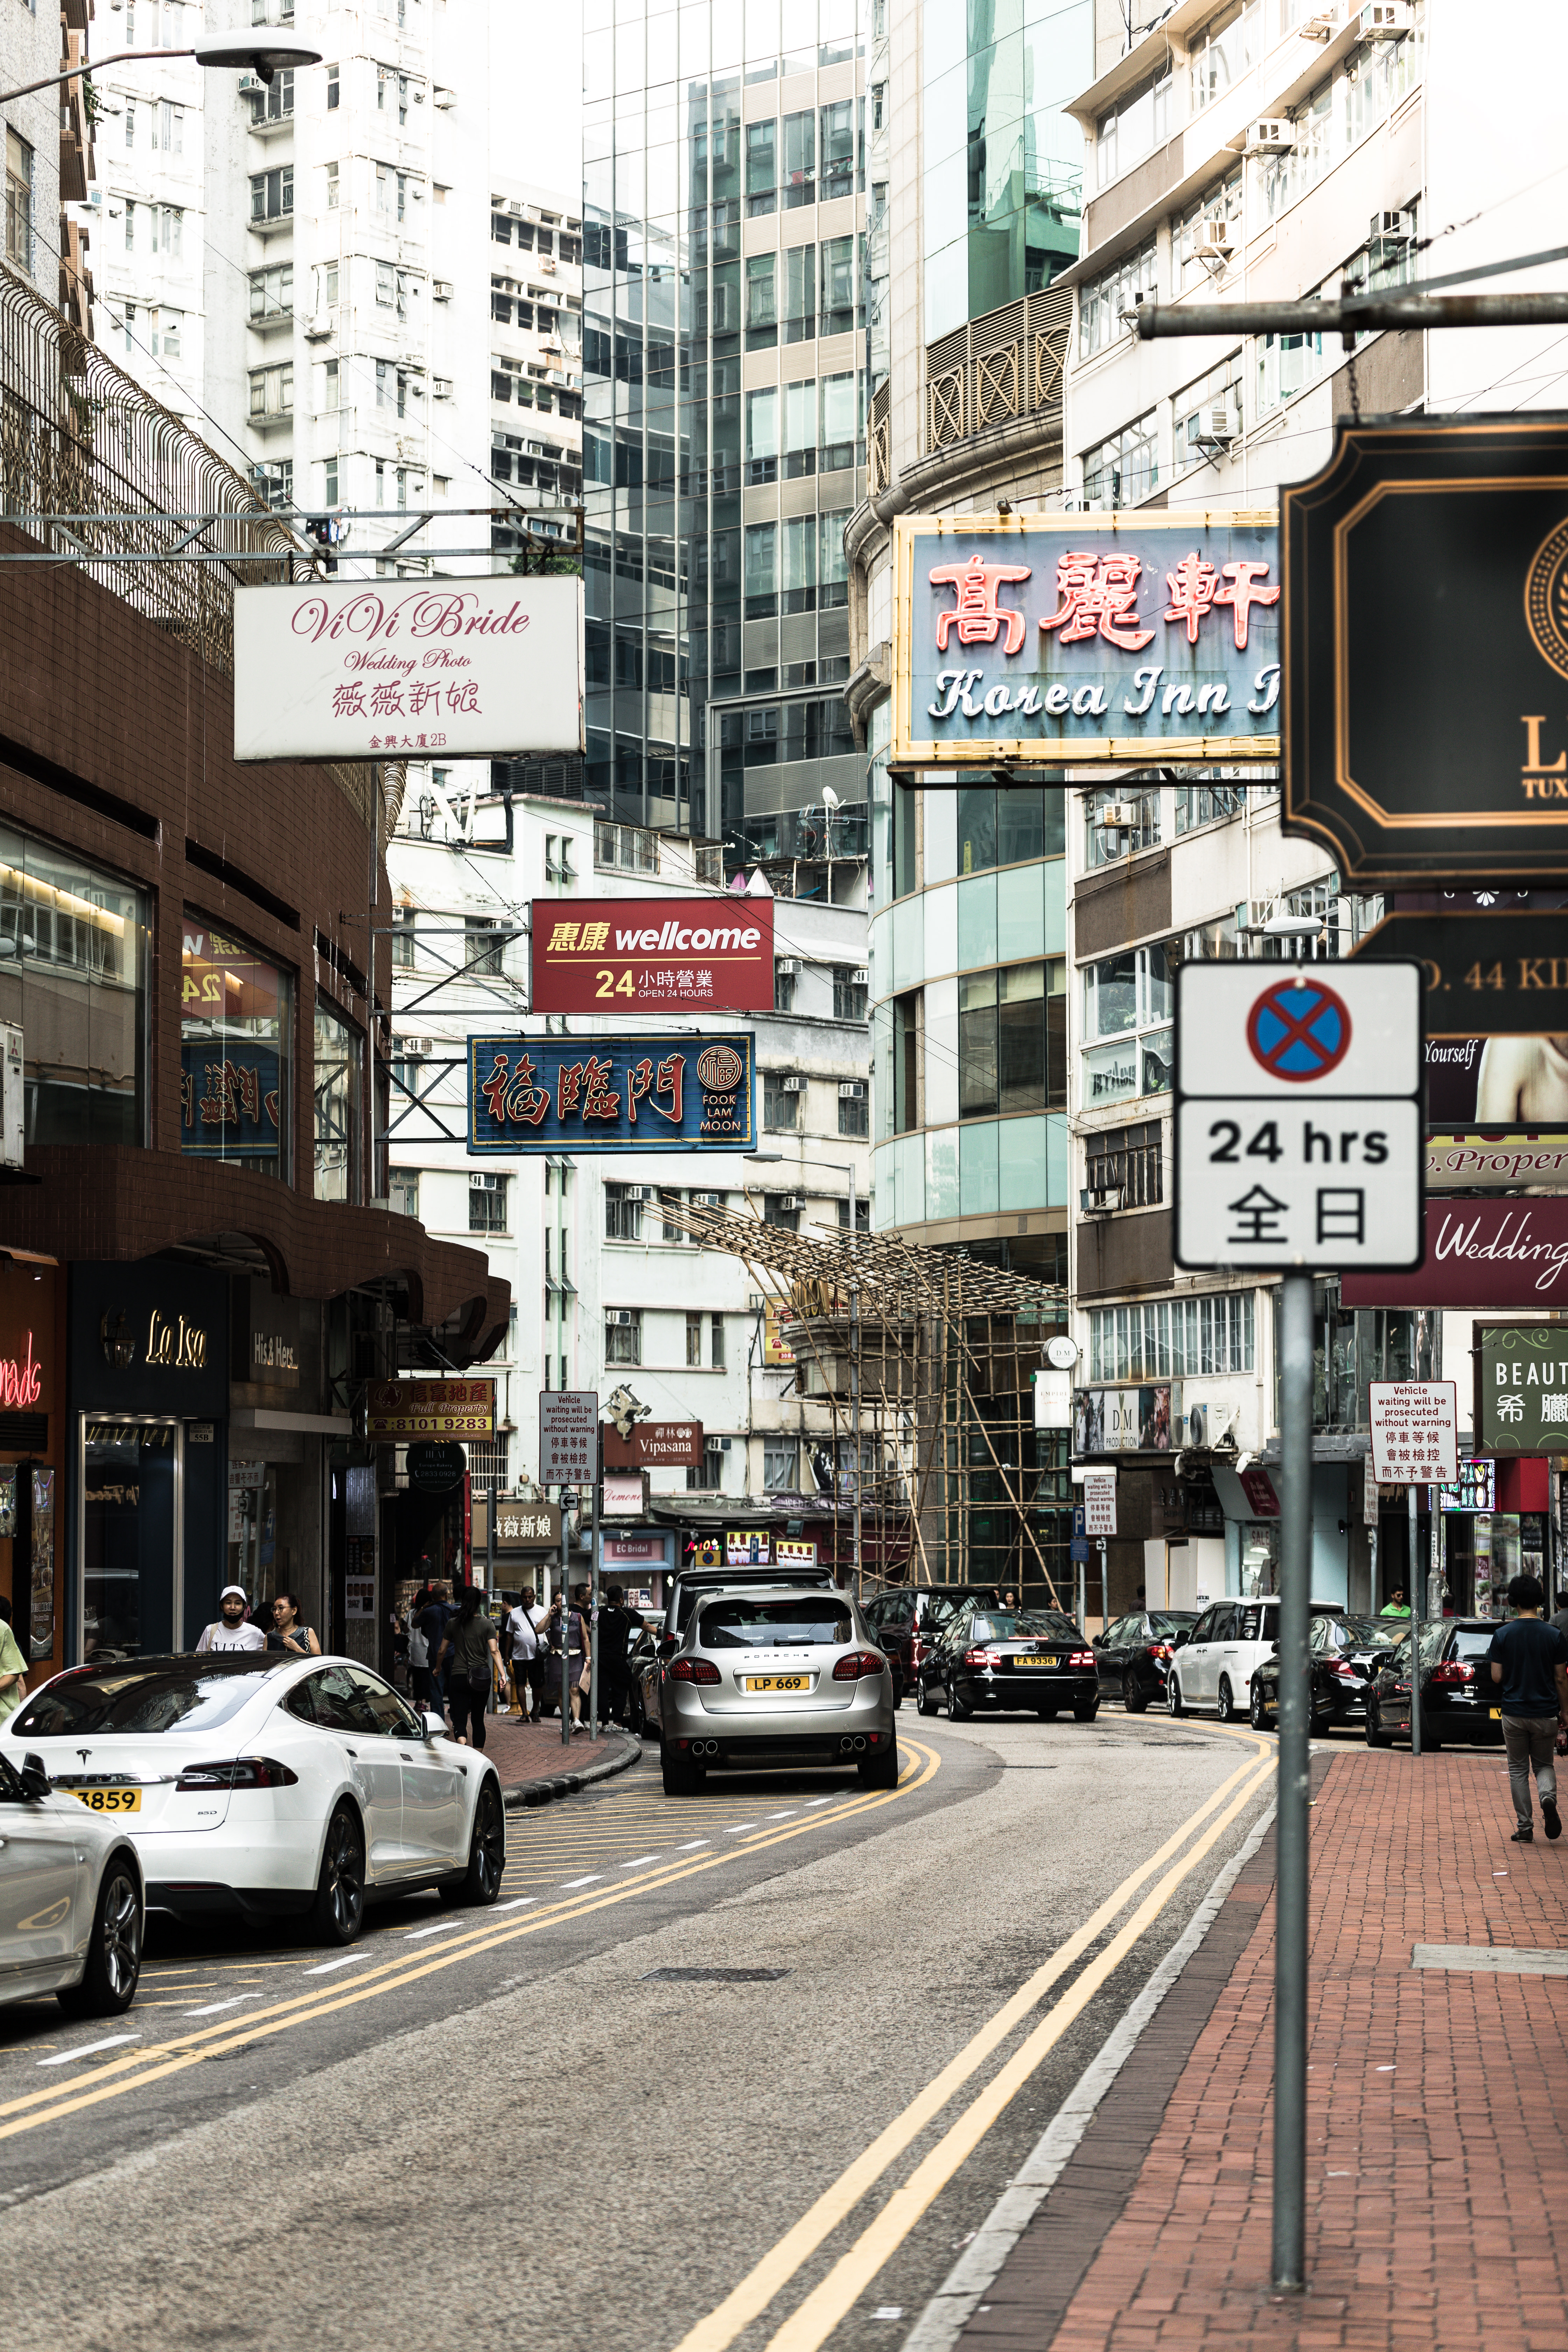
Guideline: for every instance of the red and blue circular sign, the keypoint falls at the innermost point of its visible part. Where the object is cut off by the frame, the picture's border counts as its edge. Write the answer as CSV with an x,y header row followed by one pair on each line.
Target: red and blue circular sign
x,y
1298,1030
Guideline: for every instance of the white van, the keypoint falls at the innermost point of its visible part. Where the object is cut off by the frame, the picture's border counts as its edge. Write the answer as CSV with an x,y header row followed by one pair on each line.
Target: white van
x,y
1213,1666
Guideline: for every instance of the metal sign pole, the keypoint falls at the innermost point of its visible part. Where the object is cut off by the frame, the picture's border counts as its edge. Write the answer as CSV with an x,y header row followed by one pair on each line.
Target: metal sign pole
x,y
1416,1574
594,1607
1104,1612
1291,1937
564,1598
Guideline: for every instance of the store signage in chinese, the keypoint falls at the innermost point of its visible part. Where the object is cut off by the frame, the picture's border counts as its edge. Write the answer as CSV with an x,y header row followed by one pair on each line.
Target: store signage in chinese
x,y
521,1526
399,670
1439,551
1054,637
1501,1253
793,1551
654,1443
747,1548
653,955
401,1410
1521,1388
1415,1432
611,1094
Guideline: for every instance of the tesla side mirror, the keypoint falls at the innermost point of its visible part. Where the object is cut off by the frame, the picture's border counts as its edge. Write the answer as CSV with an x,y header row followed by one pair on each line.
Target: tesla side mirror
x,y
35,1779
435,1725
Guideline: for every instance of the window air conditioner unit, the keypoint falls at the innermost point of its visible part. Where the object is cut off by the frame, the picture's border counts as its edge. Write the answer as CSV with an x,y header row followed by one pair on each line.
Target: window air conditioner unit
x,y
638,1192
852,1090
416,1049
1072,502
788,1200
1100,1200
708,1200
1219,423
1386,20
1392,229
1272,136
440,290
318,330
860,977
788,965
443,98
1116,816
723,1444
548,268
1321,27
441,387
792,1085
1212,241
619,1317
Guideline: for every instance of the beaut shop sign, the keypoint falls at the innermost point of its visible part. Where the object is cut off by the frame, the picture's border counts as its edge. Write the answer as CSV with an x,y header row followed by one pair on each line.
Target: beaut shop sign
x,y
1521,1388
1504,1252
611,1094
612,956
399,670
1054,637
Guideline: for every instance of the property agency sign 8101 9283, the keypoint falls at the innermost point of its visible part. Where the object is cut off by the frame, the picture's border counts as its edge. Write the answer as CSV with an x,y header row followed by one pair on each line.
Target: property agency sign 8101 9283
x,y
1052,637
409,670
1297,1116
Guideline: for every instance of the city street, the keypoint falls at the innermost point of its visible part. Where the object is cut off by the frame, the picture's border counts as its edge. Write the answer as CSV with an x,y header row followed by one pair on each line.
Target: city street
x,y
480,2128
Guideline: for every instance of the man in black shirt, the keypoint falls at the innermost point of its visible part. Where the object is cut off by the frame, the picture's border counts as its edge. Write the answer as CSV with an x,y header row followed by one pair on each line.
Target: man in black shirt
x,y
1529,1661
618,1628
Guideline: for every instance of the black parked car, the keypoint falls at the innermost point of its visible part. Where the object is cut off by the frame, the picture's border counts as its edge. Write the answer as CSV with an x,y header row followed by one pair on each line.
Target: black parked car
x,y
906,1622
999,1661
1458,1697
1132,1653
1345,1651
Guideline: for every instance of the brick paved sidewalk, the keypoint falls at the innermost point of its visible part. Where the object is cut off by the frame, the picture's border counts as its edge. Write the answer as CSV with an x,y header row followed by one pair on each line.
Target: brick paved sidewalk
x,y
1437,2109
528,1754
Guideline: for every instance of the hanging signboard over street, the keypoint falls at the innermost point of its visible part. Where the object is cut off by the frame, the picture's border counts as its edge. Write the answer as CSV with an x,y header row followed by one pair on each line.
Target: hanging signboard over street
x,y
409,670
1497,1252
1297,1116
653,955
1521,1388
1426,725
1414,1430
399,1410
611,1094
1051,637
1500,973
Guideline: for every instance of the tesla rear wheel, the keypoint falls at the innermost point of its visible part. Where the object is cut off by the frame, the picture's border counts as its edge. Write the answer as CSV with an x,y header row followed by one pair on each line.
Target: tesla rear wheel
x,y
1132,1698
338,1913
1225,1701
480,1883
1173,1696
879,1771
113,1967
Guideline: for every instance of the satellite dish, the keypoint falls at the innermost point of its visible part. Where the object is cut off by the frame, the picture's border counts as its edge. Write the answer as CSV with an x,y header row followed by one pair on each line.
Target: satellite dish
x,y
829,797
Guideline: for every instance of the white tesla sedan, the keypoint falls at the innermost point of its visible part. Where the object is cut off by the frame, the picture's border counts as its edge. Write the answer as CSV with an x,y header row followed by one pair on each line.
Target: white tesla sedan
x,y
255,1783
70,1898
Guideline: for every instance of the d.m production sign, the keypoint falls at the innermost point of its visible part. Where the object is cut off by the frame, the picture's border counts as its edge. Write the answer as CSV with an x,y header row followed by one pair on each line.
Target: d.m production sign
x,y
611,1094
1056,637
653,955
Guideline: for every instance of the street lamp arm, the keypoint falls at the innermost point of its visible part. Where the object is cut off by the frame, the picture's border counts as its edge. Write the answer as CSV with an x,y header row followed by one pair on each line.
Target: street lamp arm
x,y
219,50
89,65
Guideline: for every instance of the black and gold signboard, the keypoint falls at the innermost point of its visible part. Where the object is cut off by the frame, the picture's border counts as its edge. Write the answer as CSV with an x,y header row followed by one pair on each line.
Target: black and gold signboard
x,y
1426,688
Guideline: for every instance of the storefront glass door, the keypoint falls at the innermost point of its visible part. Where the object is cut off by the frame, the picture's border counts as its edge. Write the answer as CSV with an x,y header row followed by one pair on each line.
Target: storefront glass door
x,y
130,1547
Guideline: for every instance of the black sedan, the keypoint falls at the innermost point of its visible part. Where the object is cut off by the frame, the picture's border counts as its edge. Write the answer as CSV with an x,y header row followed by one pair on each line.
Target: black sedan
x,y
1343,1652
1458,1697
906,1622
997,1661
1132,1653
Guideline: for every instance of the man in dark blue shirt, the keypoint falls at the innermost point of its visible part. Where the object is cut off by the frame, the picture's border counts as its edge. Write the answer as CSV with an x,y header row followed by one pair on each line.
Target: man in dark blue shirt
x,y
1530,1660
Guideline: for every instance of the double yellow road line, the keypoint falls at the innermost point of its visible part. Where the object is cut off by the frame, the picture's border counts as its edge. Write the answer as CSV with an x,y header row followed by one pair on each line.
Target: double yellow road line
x,y
181,2051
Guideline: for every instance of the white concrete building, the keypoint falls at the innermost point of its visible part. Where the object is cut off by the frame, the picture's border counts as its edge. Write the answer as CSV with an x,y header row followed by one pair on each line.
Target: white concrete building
x,y
536,351
149,207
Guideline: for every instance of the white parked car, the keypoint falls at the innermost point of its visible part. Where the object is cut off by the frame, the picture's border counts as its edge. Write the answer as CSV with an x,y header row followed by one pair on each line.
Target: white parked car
x,y
259,1784
1213,1665
71,1912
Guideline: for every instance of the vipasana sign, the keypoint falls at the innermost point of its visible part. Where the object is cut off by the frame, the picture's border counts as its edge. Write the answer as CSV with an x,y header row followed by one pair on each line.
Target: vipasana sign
x,y
1415,1427
568,1437
612,956
401,670
1297,1116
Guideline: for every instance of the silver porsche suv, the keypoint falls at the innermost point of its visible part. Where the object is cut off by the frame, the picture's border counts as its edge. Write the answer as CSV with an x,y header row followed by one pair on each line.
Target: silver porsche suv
x,y
775,1676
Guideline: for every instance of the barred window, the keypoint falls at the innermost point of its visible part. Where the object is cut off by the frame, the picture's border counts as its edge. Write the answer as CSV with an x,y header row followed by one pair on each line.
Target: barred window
x,y
1127,1159
1169,1338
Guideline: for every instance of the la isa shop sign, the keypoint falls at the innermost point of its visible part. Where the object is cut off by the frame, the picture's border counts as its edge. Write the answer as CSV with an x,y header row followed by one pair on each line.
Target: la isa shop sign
x,y
1057,637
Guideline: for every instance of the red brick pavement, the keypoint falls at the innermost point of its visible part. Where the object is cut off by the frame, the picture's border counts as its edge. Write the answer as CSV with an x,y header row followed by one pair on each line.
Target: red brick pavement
x,y
527,1751
1437,2103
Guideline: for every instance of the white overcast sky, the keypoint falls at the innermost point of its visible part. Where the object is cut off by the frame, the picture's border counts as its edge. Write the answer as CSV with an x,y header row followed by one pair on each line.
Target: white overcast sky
x,y
536,120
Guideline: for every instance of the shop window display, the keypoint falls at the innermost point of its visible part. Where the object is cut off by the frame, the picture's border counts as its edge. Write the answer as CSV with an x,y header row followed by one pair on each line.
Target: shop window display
x,y
236,1047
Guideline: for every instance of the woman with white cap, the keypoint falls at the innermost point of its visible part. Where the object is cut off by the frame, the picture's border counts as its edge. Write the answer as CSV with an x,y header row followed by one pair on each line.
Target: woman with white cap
x,y
230,1629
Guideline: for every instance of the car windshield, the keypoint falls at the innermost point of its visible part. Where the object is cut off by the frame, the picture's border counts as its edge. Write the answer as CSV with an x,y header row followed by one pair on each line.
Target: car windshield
x,y
1002,1626
169,1695
737,1623
1163,1622
1360,1630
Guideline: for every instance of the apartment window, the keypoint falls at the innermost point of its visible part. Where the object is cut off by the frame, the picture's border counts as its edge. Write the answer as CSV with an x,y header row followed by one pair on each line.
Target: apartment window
x,y
272,390
800,563
169,122
486,1203
385,283
716,1342
385,190
403,1192
1139,121
799,160
693,1339
272,193
1104,847
775,1214
839,428
779,1465
838,157
623,1213
762,578
838,285
332,187
165,332
276,102
762,167
1124,469
710,1477
333,88
1103,303
1228,47
1207,416
169,228
800,294
669,1199
391,387
622,1335
1222,204
404,939
339,1069
130,326
131,122
130,225
1012,1039
780,1111
329,285
783,990
1130,997
799,452
1173,1339
271,292
1127,1159
1212,804
274,482
332,387
482,945
832,563
762,301
762,437
848,994
862,1214
853,1116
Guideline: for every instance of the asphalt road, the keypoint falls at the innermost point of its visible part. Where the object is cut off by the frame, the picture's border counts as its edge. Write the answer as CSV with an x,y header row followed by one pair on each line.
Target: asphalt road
x,y
514,2127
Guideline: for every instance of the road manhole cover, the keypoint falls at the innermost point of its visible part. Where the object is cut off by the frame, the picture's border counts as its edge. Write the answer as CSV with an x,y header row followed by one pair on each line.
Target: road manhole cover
x,y
713,1976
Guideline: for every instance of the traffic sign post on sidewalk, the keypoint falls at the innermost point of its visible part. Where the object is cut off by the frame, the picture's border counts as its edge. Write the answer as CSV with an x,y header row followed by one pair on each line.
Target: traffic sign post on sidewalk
x,y
569,1456
1415,1429
1298,1149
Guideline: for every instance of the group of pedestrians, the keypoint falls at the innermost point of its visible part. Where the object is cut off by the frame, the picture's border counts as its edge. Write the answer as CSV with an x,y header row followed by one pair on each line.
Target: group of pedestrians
x,y
274,1624
550,1647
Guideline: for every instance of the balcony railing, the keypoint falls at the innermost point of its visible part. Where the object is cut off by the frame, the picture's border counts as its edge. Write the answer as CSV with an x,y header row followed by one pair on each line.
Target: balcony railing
x,y
1004,365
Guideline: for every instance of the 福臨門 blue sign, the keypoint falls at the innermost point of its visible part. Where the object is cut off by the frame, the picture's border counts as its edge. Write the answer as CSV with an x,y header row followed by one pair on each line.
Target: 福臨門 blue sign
x,y
624,1092
1053,637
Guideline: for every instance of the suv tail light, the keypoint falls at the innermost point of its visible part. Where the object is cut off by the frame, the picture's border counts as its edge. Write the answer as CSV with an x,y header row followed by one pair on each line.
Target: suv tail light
x,y
693,1670
240,1772
1453,1673
858,1663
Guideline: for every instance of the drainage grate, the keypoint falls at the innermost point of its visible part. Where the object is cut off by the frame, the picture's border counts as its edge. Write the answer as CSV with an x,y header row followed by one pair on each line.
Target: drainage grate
x,y
713,1976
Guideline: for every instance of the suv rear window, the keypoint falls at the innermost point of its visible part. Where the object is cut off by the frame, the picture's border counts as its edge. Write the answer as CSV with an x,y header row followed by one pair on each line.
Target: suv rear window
x,y
737,1624
1472,1641
145,1699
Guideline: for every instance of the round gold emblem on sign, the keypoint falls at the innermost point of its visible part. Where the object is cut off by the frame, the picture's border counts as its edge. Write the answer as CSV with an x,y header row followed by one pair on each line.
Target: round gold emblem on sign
x,y
719,1068
1546,598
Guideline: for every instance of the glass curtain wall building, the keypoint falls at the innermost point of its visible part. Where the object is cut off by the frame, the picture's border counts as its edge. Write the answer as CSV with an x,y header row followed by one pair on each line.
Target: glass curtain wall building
x,y
725,374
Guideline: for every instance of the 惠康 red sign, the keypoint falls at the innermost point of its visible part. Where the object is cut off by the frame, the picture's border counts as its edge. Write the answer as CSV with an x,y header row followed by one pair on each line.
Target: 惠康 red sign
x,y
653,955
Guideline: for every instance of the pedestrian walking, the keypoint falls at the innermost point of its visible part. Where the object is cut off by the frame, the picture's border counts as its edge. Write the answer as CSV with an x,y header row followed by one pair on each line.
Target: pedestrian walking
x,y
471,1644
619,1626
12,1665
421,1681
229,1629
568,1659
1561,1619
433,1622
522,1646
287,1633
1530,1660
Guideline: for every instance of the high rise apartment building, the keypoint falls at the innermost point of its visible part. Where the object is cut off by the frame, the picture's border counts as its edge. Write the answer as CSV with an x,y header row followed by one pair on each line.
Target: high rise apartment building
x,y
536,351
724,367
149,211
49,156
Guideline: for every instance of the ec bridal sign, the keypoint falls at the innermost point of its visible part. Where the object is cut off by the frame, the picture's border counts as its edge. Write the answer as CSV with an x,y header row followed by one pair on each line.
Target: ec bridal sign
x,y
402,669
